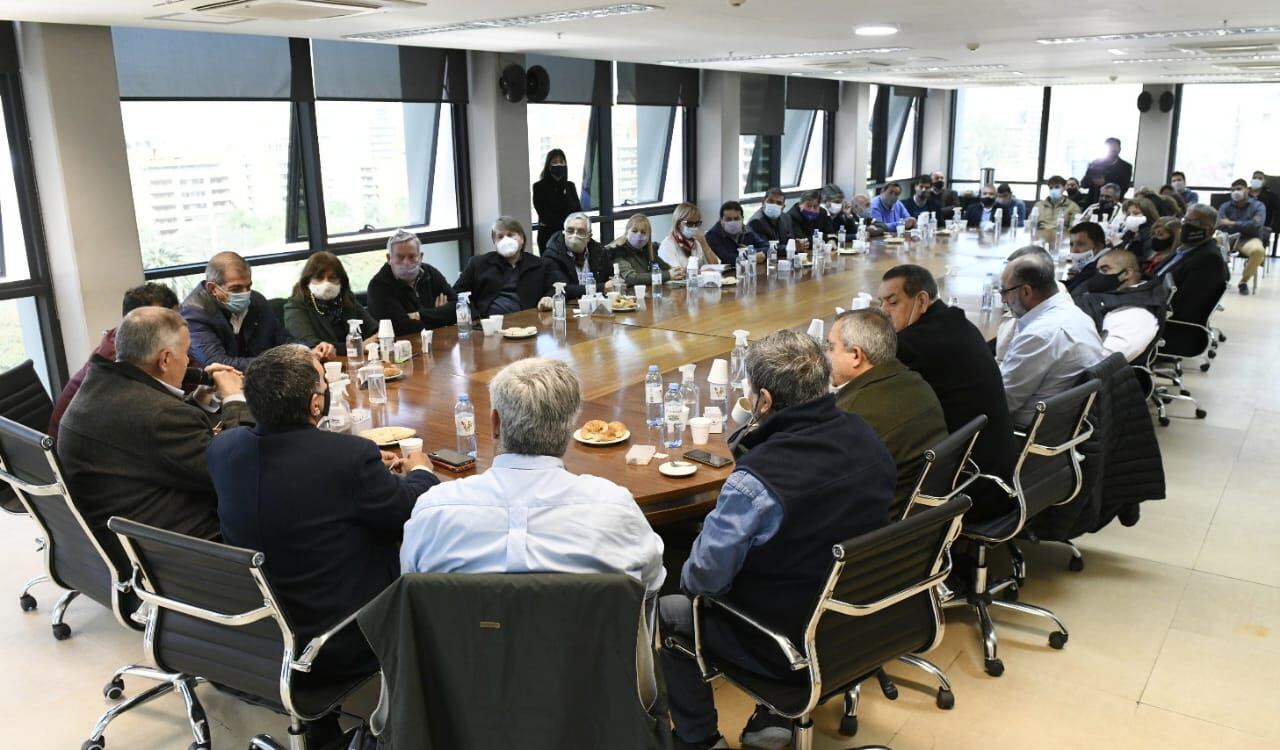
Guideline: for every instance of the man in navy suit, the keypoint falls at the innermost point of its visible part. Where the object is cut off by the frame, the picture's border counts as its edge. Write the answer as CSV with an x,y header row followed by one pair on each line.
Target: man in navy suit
x,y
326,509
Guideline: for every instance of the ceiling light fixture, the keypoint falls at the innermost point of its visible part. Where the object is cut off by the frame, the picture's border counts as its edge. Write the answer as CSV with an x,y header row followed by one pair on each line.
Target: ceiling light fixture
x,y
784,56
607,11
875,29
1184,34
1194,60
1222,77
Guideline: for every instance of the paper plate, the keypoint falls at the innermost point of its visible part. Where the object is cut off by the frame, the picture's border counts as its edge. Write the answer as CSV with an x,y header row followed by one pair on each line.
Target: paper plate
x,y
577,435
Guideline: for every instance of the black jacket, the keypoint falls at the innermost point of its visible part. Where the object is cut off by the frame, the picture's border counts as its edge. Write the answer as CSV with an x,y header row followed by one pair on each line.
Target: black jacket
x,y
1139,242
1150,294
973,215
950,354
802,228
553,200
328,516
485,274
932,202
564,265
1120,172
778,230
1198,278
131,448
213,340
1122,464
305,322
392,299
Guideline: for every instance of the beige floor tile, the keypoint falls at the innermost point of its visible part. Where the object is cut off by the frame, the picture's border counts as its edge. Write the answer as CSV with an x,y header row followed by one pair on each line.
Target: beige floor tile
x,y
1241,550
1230,609
1164,535
1157,729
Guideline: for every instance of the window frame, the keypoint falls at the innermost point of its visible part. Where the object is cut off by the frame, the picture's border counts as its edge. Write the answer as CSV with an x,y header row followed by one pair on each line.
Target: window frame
x,y
772,164
880,128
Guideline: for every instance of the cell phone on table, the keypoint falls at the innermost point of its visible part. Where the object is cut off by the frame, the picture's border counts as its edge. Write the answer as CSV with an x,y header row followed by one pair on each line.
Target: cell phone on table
x,y
708,459
451,460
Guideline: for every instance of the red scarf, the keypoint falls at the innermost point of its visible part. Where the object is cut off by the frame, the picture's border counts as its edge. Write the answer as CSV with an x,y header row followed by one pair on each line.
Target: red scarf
x,y
686,246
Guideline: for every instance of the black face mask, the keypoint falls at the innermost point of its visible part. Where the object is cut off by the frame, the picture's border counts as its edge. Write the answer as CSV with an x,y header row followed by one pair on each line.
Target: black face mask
x,y
988,201
1102,283
938,186
1193,235
1106,206
1160,244
559,171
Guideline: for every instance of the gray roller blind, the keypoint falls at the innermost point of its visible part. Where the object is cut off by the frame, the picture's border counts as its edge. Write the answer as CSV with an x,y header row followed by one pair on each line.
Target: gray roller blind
x,y
575,81
813,93
763,104
657,85
379,72
162,64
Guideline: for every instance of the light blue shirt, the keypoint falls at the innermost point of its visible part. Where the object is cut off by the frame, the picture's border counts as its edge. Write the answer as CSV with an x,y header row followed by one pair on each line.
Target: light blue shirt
x,y
746,515
527,514
890,217
1053,344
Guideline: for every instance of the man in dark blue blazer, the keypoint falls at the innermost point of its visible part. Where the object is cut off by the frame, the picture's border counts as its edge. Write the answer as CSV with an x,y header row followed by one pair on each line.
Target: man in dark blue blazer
x,y
326,509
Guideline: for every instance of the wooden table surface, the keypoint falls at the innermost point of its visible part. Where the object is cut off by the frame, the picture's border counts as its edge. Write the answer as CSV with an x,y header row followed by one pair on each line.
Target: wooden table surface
x,y
611,355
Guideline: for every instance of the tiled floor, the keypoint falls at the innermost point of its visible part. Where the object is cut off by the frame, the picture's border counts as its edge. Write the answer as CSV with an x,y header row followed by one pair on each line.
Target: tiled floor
x,y
1175,623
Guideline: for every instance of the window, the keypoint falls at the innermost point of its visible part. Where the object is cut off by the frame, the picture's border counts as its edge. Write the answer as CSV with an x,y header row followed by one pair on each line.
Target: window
x,y
792,161
997,127
871,130
386,165
13,242
648,155
1076,132
567,127
1226,131
901,155
20,337
192,142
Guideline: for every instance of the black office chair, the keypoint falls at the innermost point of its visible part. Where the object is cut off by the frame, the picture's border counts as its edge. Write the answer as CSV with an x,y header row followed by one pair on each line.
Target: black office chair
x,y
24,400
1146,370
277,308
1192,338
215,619
1047,473
869,613
74,557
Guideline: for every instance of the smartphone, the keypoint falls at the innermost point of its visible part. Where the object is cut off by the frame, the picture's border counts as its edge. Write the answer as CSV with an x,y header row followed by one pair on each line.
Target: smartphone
x,y
708,459
451,460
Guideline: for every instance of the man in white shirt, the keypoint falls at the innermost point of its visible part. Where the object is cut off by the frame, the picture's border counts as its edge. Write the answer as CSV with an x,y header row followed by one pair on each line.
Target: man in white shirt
x,y
526,514
1054,341
1123,304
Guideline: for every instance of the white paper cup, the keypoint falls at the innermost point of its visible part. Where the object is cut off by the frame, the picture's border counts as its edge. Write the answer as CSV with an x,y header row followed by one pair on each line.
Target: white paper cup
x,y
817,329
410,446
700,430
741,411
640,290
332,371
802,258
386,330
719,371
491,326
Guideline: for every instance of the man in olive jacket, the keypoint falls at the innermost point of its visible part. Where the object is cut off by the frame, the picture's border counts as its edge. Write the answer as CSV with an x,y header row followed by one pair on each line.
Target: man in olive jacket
x,y
897,403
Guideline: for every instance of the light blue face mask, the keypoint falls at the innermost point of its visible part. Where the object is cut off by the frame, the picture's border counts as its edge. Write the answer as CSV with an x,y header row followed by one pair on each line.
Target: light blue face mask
x,y
772,210
1055,193
237,302
688,232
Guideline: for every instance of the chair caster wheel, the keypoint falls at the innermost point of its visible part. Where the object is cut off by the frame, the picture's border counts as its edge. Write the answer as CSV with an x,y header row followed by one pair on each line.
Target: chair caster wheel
x,y
1164,421
27,602
1212,353
1057,639
946,699
61,631
1201,413
98,744
994,667
114,690
1076,564
1185,392
1204,367
199,746
1010,594
849,726
887,687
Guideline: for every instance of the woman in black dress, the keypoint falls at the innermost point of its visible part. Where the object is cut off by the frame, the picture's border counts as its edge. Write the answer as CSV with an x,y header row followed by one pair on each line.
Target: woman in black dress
x,y
554,197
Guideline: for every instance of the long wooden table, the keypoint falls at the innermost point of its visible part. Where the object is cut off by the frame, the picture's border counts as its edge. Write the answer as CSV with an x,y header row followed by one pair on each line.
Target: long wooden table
x,y
611,355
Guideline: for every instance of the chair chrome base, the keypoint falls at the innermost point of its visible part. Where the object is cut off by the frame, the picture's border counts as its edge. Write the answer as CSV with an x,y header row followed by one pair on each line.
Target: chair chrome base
x,y
61,630
980,601
182,684
25,600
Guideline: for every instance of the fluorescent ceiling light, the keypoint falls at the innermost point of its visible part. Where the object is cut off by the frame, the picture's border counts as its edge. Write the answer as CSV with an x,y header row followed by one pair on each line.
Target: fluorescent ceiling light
x,y
1115,51
1222,77
1196,60
785,56
1185,34
607,11
875,29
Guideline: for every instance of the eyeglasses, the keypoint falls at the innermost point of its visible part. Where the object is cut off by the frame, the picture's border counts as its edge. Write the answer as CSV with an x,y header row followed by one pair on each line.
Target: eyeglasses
x,y
1006,290
577,233
693,224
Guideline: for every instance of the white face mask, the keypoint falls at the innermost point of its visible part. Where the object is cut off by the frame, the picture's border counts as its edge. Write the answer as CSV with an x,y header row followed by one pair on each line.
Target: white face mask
x,y
1080,260
1237,195
772,210
1178,185
507,246
1255,183
575,243
324,290
834,208
1133,222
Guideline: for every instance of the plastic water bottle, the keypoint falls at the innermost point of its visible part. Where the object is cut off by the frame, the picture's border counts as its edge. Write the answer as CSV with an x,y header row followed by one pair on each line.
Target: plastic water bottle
x,y
655,280
653,397
862,236
738,360
1017,217
998,216
988,292
689,392
559,307
464,316
355,343
339,414
691,272
464,421
673,417
588,284
841,236
771,260
619,285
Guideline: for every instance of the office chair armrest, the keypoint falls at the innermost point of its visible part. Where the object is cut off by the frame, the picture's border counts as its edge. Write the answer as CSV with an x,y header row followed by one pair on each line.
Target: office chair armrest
x,y
794,658
312,649
861,610
27,487
1058,450
221,618
1003,485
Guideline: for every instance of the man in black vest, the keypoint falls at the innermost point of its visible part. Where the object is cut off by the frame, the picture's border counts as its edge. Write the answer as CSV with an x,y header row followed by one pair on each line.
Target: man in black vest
x,y
812,476
1125,306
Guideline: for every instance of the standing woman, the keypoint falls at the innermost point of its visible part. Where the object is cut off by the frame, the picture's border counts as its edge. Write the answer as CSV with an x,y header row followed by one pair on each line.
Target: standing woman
x,y
686,239
554,197
322,303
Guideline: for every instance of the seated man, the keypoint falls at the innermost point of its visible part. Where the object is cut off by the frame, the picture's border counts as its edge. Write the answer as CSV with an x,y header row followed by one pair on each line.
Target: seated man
x,y
948,199
837,213
1178,181
1054,341
1259,190
887,209
1075,194
526,514
806,216
1056,205
952,356
572,253
812,476
730,233
923,199
896,402
1088,243
1107,210
132,445
230,323
861,207
1246,216
1197,270
149,294
982,213
411,294
771,220
1123,304
325,508
1008,323
1015,211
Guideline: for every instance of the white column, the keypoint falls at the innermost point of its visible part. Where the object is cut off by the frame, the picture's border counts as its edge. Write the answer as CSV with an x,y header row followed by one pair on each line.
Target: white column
x,y
719,124
935,142
1155,130
82,171
499,134
852,137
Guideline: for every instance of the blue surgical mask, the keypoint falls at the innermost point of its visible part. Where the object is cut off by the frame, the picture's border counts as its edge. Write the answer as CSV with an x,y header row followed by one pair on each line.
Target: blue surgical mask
x,y
688,232
772,210
637,239
1055,194
732,227
888,199
237,302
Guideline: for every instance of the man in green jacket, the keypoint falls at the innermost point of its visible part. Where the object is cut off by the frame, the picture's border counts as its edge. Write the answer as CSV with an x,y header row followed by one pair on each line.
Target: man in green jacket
x,y
898,404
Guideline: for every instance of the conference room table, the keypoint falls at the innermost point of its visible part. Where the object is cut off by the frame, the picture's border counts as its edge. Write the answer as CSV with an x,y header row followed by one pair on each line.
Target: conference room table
x,y
611,354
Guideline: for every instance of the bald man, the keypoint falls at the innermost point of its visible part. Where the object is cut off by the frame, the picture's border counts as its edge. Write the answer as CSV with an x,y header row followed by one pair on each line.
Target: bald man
x,y
1124,304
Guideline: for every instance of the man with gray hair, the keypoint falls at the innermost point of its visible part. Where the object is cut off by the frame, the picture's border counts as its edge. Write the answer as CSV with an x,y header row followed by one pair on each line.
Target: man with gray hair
x,y
1198,271
899,405
527,514
1054,340
573,252
812,476
132,445
411,294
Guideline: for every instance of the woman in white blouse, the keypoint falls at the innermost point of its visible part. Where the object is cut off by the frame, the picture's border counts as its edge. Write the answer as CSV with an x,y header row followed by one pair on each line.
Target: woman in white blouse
x,y
686,239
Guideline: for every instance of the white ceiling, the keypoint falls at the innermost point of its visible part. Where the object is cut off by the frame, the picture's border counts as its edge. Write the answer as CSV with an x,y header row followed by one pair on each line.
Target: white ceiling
x,y
939,34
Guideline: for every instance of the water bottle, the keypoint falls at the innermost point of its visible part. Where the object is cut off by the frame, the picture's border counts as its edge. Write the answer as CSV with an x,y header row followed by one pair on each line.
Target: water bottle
x,y
464,316
771,260
791,251
862,236
691,272
689,392
655,280
988,292
741,271
1058,229
738,361
355,343
559,307
998,222
653,397
339,414
841,236
1017,217
588,284
464,421
619,285
673,416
